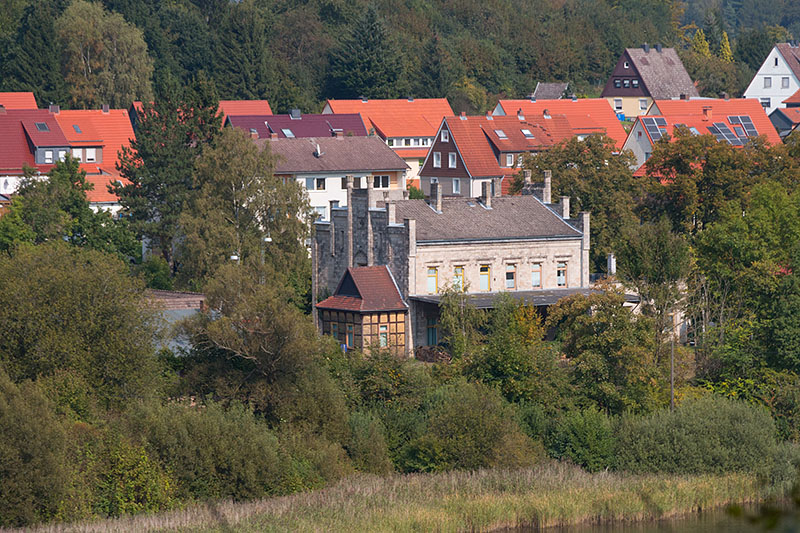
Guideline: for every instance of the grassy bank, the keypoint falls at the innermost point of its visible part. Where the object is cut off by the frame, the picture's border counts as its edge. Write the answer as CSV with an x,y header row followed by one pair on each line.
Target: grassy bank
x,y
550,495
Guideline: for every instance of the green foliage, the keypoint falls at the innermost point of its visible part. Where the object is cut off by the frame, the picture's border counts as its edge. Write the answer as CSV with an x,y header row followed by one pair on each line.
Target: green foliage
x,y
704,436
459,321
155,273
725,52
584,437
367,446
415,194
700,44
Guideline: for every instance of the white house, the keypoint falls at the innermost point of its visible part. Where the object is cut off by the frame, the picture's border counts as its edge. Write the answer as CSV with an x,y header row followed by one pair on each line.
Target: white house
x,y
778,78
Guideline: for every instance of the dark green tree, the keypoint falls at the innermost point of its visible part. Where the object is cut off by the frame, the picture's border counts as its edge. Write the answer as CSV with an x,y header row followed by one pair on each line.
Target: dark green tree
x,y
366,62
436,73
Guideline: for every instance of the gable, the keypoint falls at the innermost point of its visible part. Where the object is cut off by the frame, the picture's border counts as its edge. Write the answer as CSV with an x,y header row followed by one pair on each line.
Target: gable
x,y
347,287
622,73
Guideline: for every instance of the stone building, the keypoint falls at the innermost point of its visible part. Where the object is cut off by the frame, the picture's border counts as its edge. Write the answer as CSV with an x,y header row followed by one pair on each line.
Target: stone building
x,y
524,245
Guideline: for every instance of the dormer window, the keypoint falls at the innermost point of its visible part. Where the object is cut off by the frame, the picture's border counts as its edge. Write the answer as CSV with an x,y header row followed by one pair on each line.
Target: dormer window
x,y
76,128
509,160
635,83
77,153
42,126
288,133
91,155
501,134
527,133
48,156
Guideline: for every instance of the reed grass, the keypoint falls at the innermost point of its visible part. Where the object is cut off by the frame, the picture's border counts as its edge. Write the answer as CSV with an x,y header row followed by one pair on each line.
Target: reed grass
x,y
553,494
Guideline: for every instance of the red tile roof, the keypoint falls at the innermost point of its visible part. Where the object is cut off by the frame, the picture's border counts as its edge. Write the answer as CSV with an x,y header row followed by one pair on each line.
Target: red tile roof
x,y
408,153
304,126
794,99
366,289
419,117
14,148
585,115
244,107
18,100
792,113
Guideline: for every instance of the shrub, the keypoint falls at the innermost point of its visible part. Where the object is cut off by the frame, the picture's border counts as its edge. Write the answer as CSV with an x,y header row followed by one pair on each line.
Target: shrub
x,y
367,445
708,435
584,437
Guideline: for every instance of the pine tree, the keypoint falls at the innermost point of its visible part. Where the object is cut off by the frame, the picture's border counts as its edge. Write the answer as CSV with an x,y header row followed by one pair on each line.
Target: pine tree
x,y
700,44
366,63
436,76
725,52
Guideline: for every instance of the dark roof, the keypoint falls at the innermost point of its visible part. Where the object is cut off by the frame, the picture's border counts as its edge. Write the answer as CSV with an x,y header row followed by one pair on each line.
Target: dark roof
x,y
303,126
465,219
663,73
791,54
550,91
366,289
339,154
547,297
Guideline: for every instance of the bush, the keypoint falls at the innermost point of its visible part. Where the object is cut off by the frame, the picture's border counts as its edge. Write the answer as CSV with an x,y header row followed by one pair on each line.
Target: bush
x,y
709,435
367,446
584,437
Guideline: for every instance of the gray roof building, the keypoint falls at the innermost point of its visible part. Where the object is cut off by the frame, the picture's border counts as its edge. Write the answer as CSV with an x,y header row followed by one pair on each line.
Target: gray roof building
x,y
658,73
333,154
550,91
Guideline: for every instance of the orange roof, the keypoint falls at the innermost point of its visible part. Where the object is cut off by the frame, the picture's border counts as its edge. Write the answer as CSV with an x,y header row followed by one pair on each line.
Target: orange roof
x,y
418,117
794,99
411,152
18,100
691,113
585,115
792,113
244,107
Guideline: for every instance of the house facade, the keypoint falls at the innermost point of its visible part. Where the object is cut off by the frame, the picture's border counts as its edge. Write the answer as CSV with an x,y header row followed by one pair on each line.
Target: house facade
x,y
643,75
523,245
778,78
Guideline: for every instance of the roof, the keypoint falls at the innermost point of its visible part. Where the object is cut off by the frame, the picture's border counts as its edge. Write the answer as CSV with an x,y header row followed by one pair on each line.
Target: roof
x,y
14,148
366,289
690,112
18,100
304,126
662,73
466,219
244,107
339,154
791,54
550,91
794,99
791,113
544,297
479,141
585,115
412,117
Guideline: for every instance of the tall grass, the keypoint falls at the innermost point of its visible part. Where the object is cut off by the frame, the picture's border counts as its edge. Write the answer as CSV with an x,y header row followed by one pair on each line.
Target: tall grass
x,y
552,494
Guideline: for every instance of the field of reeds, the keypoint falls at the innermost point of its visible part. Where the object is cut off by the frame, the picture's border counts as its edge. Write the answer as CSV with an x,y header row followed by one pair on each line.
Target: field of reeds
x,y
553,494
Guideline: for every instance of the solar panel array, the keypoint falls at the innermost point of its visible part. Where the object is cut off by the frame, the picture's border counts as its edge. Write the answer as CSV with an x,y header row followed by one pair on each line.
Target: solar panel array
x,y
655,126
746,122
723,133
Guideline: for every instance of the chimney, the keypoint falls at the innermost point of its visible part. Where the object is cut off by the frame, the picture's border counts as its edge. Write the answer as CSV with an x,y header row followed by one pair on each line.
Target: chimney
x,y
527,175
726,96
391,213
546,113
548,184
532,97
611,264
707,113
646,48
683,96
497,187
574,98
410,98
486,193
338,133
105,109
565,207
658,48
273,135
363,99
2,109
54,109
463,115
520,116
253,133
436,197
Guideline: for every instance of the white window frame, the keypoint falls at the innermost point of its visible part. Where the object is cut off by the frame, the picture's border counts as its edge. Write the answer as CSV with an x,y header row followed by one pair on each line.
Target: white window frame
x,y
785,82
445,136
451,160
381,181
643,104
456,186
62,155
509,160
77,153
91,155
767,82
437,160
617,104
48,156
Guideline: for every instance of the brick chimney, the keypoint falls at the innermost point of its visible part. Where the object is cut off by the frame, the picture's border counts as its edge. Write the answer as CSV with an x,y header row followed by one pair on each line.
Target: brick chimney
x,y
564,207
436,197
707,113
520,115
273,135
105,109
486,193
391,213
497,187
548,186
54,109
527,175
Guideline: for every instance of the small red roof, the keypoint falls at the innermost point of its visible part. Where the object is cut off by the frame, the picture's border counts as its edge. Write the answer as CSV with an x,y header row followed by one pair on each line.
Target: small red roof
x,y
18,100
407,117
244,107
794,99
792,113
366,289
585,115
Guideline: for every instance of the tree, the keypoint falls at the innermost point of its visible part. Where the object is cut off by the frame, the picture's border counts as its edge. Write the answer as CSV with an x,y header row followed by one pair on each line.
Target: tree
x,y
436,72
700,45
598,181
366,62
159,163
105,58
67,309
240,203
460,322
56,208
725,52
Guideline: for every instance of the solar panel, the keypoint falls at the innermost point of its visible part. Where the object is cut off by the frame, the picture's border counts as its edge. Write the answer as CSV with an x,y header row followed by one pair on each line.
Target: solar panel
x,y
725,133
746,122
660,121
652,126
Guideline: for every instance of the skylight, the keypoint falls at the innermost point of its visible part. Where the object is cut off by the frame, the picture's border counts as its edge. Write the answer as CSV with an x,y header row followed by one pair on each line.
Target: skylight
x,y
289,133
76,128
501,134
527,133
42,126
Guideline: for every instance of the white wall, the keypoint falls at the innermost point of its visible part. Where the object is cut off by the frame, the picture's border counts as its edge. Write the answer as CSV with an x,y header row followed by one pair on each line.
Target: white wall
x,y
639,145
776,93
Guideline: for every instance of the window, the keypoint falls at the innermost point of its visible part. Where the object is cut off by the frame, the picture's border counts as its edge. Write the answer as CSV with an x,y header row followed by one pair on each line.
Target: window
x,y
288,133
626,84
776,61
765,102
42,126
451,160
335,330
485,283
643,104
390,142
62,154
626,65
350,341
76,128
561,274
380,182
421,162
536,275
434,180
384,336
321,212
509,160
437,160
416,141
511,277
426,141
527,133
635,83
617,84
767,82
433,280
785,82
406,142
618,104
91,155
77,153
433,336
501,134
458,277
445,136
456,186
48,156
320,184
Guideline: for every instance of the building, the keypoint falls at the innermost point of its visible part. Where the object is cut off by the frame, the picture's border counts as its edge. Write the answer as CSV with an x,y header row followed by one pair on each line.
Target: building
x,y
785,120
734,121
524,245
407,125
21,100
645,74
321,165
778,78
295,125
586,116
550,91
469,151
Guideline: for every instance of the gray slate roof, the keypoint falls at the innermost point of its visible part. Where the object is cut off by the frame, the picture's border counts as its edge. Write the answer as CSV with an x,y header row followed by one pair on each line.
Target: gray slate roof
x,y
541,297
339,154
550,91
465,219
662,73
